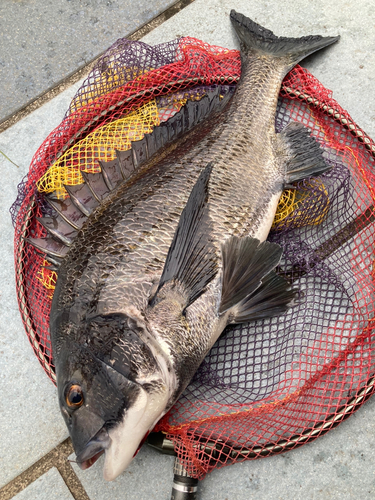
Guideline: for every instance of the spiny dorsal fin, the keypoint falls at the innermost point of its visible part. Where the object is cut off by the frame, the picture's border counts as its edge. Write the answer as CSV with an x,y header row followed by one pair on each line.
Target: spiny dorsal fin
x,y
305,154
49,246
191,262
59,229
251,289
84,198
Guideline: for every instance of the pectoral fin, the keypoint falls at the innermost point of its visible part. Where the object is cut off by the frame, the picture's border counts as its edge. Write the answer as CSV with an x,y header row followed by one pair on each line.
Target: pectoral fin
x,y
191,261
251,290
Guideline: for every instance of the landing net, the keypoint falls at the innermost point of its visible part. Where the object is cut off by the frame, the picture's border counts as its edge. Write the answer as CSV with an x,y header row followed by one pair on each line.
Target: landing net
x,y
271,385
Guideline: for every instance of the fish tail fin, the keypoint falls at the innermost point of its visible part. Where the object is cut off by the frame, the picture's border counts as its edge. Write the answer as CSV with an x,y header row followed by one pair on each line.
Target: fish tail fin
x,y
256,39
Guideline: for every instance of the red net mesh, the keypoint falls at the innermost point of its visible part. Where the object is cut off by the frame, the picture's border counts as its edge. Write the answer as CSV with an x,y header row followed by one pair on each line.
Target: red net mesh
x,y
272,385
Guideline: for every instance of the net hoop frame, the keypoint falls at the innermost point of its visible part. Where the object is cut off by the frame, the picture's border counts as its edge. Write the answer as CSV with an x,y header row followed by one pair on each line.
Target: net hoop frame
x,y
269,449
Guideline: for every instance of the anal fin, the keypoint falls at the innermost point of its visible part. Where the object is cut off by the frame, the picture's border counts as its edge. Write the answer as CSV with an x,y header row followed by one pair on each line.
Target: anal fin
x,y
305,154
251,290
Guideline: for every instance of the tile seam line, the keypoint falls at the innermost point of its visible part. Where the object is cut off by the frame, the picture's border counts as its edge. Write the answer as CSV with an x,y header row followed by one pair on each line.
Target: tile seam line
x,y
82,71
57,458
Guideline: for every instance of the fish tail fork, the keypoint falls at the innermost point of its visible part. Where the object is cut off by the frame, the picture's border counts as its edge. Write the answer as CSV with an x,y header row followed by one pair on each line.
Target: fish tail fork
x,y
255,39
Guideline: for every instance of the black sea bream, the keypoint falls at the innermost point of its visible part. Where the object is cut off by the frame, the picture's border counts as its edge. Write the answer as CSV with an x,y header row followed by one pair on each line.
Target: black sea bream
x,y
167,246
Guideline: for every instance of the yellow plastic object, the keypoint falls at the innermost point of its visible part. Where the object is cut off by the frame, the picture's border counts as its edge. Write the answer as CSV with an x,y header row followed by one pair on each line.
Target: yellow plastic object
x,y
47,277
99,145
302,207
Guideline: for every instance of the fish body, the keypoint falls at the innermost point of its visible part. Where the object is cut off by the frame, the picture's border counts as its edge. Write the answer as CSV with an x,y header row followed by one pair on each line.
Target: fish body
x,y
174,254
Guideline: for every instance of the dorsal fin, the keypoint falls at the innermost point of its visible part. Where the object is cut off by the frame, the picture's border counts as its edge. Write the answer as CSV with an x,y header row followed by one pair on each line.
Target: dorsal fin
x,y
59,229
85,197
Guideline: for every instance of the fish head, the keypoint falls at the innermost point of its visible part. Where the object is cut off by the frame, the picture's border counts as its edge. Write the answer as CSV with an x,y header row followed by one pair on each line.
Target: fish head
x,y
111,392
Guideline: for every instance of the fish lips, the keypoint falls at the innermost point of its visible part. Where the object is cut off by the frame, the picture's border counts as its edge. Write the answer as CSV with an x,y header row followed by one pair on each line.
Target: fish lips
x,y
93,449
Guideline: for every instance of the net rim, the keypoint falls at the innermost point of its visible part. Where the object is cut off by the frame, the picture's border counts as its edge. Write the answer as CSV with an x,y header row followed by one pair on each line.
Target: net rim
x,y
311,433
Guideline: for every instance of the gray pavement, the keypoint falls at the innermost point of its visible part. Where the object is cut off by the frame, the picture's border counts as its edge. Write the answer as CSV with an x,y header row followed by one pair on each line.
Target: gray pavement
x,y
43,41
50,485
339,465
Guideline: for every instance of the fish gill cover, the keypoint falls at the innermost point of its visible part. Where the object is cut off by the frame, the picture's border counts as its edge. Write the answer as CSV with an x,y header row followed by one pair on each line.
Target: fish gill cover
x,y
270,385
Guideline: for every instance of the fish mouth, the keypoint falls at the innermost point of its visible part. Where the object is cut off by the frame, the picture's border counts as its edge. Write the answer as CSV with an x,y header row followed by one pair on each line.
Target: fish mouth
x,y
93,449
90,461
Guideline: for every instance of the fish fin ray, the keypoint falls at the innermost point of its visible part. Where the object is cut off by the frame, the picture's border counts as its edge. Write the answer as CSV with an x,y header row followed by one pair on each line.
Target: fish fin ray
x,y
275,296
96,184
254,37
192,259
250,288
68,211
112,173
305,154
125,161
58,228
82,197
62,228
49,246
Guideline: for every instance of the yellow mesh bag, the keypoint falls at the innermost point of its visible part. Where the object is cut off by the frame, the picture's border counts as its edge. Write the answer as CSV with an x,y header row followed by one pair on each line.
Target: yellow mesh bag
x,y
47,277
302,207
99,145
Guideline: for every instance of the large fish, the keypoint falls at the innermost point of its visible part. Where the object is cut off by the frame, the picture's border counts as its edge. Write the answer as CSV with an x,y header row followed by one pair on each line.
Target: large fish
x,y
166,247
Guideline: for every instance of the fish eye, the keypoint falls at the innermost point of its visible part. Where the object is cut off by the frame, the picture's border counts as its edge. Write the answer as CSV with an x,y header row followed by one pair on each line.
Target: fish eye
x,y
74,396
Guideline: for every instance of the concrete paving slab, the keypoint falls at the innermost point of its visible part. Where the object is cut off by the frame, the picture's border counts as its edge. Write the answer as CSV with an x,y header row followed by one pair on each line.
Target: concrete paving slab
x,y
149,475
339,465
43,42
30,421
50,485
